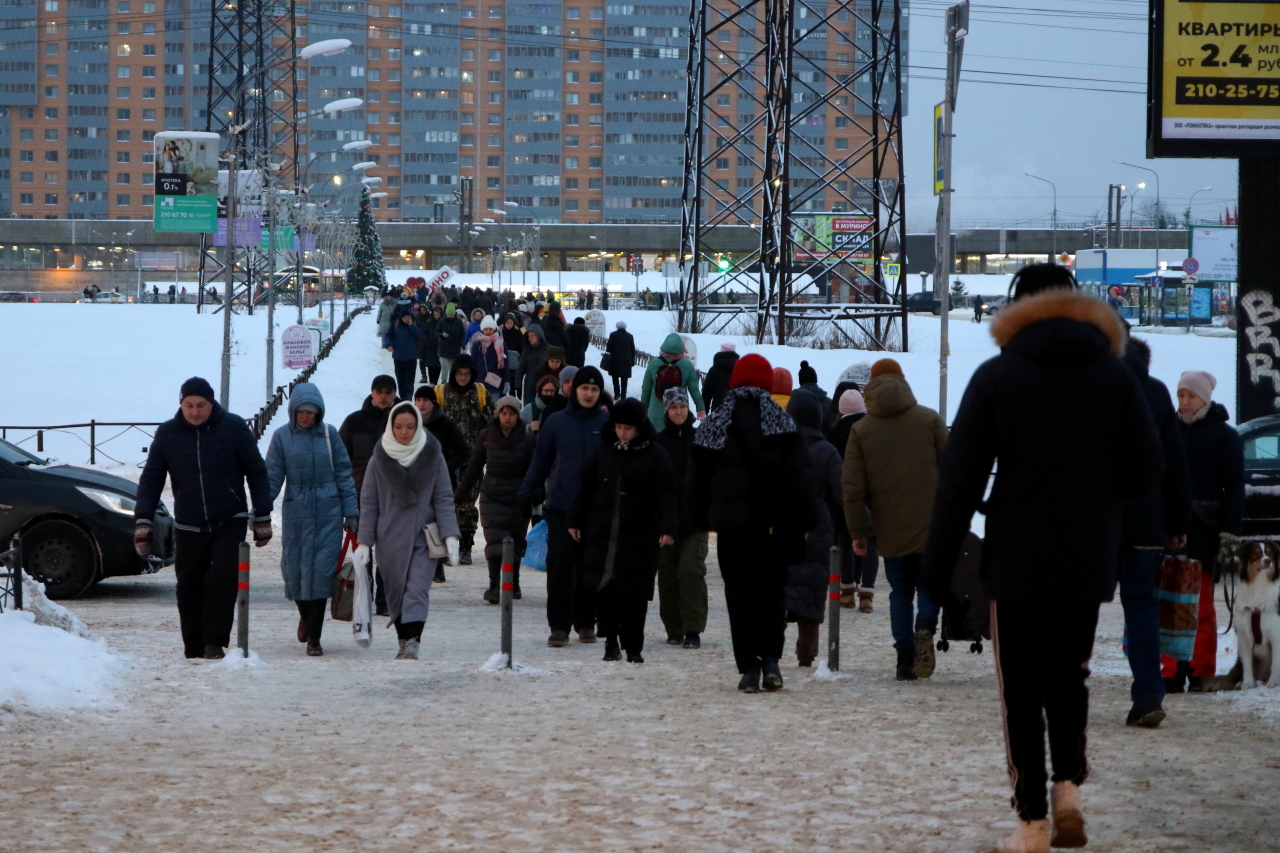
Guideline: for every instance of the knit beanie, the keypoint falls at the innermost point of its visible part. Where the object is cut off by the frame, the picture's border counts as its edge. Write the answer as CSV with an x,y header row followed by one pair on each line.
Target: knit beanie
x,y
382,380
728,346
507,402
585,376
754,371
450,309
851,403
1198,382
568,373
886,366
782,382
197,387
556,353
674,397
808,376
488,324
629,412
427,392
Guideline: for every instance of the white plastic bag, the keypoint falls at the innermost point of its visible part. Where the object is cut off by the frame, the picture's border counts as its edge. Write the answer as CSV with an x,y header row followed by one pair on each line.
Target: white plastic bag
x,y
362,609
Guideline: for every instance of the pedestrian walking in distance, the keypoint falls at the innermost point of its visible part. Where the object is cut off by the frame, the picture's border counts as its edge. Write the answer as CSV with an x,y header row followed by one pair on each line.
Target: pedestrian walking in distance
x,y
1062,475
307,459
624,512
749,481
621,348
402,342
716,385
207,453
405,490
682,566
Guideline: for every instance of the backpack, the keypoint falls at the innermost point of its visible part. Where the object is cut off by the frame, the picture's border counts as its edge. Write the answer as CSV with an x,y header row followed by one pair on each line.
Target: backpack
x,y
481,396
668,376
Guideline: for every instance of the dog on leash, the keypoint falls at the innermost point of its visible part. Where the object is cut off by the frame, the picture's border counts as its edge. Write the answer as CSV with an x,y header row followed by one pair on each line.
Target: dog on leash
x,y
1257,615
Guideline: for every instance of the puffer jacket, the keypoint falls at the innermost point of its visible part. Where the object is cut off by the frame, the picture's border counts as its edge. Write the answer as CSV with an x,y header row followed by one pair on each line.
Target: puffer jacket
x,y
678,442
360,433
578,339
565,441
1215,459
449,332
504,459
529,365
403,338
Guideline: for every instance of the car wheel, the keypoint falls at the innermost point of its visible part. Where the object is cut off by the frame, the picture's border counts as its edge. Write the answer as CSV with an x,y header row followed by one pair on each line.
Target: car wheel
x,y
61,555
937,310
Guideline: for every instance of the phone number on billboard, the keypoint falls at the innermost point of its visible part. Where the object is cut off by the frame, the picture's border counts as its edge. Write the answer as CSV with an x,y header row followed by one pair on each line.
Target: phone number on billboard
x,y
1224,91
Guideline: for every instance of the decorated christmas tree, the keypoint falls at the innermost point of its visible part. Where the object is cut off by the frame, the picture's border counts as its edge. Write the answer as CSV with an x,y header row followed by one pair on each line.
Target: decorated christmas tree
x,y
366,258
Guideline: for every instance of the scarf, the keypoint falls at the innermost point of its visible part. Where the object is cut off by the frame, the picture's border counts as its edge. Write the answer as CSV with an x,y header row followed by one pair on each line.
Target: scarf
x,y
1198,416
405,454
495,341
714,431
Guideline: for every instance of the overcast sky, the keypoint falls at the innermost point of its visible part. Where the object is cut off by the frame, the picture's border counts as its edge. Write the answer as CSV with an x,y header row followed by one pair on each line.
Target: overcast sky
x,y
1072,138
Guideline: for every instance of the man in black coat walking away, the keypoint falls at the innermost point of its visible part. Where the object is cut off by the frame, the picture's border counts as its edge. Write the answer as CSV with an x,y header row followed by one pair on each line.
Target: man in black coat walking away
x,y
750,483
625,510
578,338
622,357
1151,523
207,453
716,385
1053,524
682,567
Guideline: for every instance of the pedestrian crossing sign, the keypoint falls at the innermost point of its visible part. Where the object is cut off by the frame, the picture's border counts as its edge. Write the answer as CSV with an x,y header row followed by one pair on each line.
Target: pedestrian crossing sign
x,y
892,270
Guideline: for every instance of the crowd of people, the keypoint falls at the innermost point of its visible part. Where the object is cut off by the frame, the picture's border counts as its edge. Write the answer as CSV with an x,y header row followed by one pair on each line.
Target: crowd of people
x,y
498,422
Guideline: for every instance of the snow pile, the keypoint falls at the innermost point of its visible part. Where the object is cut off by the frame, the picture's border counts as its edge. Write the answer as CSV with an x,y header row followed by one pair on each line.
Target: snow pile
x,y
45,668
825,673
235,661
1262,701
497,662
48,612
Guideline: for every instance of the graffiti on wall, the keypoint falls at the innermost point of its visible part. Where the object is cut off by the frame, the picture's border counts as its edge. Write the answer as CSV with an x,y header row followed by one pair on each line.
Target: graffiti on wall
x,y
1262,312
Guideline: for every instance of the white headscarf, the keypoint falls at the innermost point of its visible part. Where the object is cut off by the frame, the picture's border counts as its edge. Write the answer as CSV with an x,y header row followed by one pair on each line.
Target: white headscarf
x,y
405,454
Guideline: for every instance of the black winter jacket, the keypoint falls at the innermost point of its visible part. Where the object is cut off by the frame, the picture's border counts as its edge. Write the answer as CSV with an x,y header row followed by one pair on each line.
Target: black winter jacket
x,y
453,444
717,381
1165,510
622,354
579,338
360,433
512,340
529,365
1053,518
1215,458
839,434
207,467
449,332
808,580
626,501
678,442
428,344
553,323
504,460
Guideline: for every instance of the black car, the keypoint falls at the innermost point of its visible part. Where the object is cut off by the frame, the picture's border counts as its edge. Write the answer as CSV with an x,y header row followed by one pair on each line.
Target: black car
x,y
76,523
1261,438
924,301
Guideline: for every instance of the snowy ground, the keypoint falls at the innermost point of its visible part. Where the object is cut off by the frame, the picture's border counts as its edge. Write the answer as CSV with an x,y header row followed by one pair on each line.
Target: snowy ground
x,y
354,750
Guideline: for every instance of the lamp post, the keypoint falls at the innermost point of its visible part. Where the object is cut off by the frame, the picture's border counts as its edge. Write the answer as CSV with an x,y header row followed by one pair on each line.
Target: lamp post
x,y
537,236
603,299
1192,201
1159,207
1055,211
1133,205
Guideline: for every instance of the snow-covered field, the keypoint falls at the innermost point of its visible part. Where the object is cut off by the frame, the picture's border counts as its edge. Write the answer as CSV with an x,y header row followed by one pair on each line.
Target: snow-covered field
x,y
356,751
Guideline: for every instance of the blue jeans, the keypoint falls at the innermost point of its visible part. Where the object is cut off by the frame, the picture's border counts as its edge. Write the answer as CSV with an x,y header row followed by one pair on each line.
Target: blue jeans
x,y
1138,596
906,585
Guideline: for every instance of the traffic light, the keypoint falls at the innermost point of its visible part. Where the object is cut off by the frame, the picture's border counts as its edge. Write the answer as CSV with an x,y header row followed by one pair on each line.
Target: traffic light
x,y
723,263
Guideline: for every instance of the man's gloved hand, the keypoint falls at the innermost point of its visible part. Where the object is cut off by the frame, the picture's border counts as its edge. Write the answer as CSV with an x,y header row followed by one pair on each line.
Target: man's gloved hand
x,y
142,538
451,543
351,522
261,532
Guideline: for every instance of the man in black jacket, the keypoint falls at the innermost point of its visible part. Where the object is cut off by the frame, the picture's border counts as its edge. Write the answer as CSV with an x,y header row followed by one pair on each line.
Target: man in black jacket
x,y
622,357
1157,520
449,334
716,385
207,453
1053,523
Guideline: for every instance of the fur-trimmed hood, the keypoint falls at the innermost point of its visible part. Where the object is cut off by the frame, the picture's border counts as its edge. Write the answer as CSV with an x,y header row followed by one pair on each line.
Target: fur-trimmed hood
x,y
1060,326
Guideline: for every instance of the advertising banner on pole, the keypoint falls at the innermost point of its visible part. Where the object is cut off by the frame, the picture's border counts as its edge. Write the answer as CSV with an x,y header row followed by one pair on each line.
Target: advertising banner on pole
x,y
297,347
842,235
186,181
248,225
1214,250
1214,86
939,174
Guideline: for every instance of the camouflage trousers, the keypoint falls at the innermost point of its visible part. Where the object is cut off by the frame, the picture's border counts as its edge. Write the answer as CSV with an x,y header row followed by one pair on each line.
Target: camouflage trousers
x,y
468,517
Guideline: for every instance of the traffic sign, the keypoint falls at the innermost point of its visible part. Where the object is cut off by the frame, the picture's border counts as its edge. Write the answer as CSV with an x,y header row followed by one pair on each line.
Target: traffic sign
x,y
1191,266
892,270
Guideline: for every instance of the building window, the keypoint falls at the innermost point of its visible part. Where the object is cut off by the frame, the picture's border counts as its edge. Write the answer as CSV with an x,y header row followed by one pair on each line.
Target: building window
x,y
51,49
122,29
493,118
149,115
494,140
27,156
571,56
122,178
124,136
149,94
50,177
51,156
495,97
495,56
495,11
573,14
51,71
595,183
123,200
123,50
571,141
51,5
493,183
26,177
595,162
571,98
50,134
571,183
26,134
122,156
571,119
595,204
50,112
571,163
842,145
148,71
123,71
123,93
842,122
571,204
50,198
51,91
27,198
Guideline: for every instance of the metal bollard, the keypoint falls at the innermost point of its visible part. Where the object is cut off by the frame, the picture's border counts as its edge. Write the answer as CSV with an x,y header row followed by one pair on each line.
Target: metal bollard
x,y
506,597
833,612
16,577
93,441
242,602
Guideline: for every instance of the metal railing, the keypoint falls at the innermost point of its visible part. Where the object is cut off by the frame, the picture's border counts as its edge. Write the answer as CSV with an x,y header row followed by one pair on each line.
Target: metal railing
x,y
37,434
11,578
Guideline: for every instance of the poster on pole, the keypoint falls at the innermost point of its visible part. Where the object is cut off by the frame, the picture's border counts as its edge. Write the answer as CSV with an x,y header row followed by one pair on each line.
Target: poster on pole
x,y
1213,247
248,224
841,235
186,181
595,321
1214,79
939,174
297,347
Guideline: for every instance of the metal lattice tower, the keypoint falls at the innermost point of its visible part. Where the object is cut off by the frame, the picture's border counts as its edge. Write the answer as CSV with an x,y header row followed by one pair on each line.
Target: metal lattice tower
x,y
246,38
757,155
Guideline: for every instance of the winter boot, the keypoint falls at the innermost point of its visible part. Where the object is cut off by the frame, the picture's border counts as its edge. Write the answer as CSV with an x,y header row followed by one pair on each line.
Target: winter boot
x,y
411,649
464,557
864,601
492,595
692,641
1177,683
1068,822
516,593
675,639
302,630
558,639
848,595
612,651
400,654
439,576
925,662
772,675
1031,836
750,682
635,657
1147,715
313,649
805,662
213,653
587,635
906,665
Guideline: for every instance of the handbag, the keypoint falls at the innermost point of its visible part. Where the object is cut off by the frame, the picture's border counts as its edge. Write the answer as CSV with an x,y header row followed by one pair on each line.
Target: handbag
x,y
436,549
342,592
606,362
1178,605
493,378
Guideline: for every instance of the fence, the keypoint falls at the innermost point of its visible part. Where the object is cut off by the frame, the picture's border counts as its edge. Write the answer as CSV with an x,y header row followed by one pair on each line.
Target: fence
x,y
642,359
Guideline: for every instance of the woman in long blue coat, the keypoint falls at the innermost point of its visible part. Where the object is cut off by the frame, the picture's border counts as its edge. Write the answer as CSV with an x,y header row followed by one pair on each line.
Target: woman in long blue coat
x,y
307,457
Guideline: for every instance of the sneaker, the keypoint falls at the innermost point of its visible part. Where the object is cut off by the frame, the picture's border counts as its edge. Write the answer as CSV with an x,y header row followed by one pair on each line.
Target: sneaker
x,y
492,595
612,651
1031,836
400,654
464,557
635,658
213,653
750,682
313,649
1147,715
302,630
906,665
587,635
849,596
675,640
1068,822
558,639
925,661
692,641
864,601
772,675
439,576
411,649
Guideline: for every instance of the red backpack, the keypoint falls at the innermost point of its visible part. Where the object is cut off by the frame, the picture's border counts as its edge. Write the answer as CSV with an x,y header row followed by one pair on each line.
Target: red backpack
x,y
668,376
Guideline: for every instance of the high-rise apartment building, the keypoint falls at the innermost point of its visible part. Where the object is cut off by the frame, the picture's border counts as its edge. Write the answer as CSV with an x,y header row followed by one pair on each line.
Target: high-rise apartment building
x,y
573,110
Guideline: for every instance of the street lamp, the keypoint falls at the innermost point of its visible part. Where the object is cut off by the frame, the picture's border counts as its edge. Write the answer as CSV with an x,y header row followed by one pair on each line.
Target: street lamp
x,y
1159,208
1055,212
1133,205
537,236
1192,201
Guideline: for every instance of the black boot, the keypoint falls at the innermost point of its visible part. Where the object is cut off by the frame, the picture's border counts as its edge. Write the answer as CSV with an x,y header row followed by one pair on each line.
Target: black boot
x,y
692,641
772,675
492,595
750,682
612,651
907,665
439,577
1178,683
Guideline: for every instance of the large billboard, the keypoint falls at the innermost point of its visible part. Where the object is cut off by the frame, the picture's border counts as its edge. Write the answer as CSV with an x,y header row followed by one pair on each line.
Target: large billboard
x,y
186,181
843,235
1215,249
1213,78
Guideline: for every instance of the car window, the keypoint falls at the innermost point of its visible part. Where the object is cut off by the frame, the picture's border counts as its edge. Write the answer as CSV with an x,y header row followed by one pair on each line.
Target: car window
x,y
1262,451
18,456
